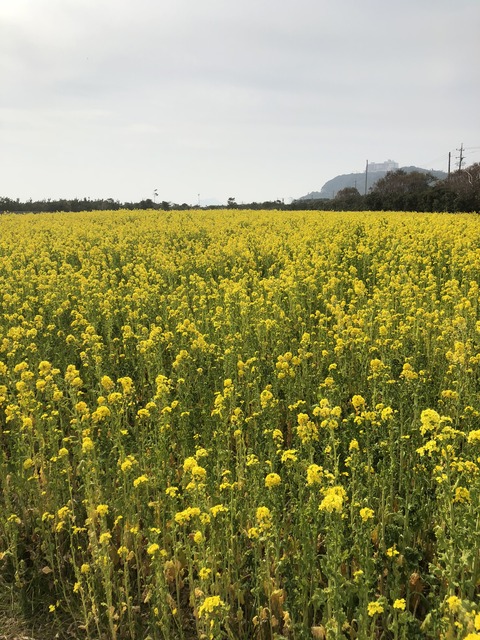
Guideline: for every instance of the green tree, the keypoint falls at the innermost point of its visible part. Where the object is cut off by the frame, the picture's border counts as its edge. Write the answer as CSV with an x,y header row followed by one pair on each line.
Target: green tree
x,y
348,199
401,191
465,187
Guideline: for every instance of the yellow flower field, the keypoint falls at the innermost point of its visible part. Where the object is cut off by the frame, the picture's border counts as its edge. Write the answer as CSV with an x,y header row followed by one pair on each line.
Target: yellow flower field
x,y
240,424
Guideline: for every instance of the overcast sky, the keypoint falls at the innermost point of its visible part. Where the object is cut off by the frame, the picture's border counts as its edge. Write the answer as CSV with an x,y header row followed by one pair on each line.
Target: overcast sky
x,y
253,99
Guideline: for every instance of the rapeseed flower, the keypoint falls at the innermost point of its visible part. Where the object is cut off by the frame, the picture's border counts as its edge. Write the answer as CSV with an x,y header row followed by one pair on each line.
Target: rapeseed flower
x,y
289,456
272,480
182,517
454,604
102,509
306,429
189,464
358,403
87,445
314,474
140,480
374,608
474,436
204,573
462,495
107,383
153,548
392,551
333,499
353,446
430,420
210,605
366,514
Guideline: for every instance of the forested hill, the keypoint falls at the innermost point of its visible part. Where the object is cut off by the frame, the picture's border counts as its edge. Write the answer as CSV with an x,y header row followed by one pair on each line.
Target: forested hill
x,y
357,181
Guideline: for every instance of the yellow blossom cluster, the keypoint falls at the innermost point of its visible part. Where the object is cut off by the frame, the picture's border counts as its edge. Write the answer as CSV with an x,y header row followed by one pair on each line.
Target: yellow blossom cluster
x,y
225,423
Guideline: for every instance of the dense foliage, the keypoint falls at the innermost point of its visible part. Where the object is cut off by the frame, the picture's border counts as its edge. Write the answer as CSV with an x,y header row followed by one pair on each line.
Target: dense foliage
x,y
409,191
212,426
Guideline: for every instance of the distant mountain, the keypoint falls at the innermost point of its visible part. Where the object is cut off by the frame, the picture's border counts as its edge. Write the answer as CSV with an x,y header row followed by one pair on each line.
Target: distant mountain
x,y
210,202
357,180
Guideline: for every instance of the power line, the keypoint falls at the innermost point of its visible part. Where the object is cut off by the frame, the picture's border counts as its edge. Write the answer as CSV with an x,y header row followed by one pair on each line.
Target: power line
x,y
430,163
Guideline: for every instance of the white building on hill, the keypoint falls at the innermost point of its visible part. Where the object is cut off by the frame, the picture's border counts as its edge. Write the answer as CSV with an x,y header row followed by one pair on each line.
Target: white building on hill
x,y
388,165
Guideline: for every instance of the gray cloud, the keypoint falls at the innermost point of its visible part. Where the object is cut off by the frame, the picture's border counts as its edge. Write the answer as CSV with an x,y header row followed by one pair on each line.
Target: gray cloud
x,y
247,99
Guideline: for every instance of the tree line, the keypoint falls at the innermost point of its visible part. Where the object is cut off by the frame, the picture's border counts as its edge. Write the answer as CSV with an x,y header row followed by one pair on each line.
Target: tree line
x,y
8,205
409,191
397,191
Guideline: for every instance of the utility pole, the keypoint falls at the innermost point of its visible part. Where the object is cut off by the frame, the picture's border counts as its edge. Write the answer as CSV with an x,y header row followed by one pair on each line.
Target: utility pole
x,y
366,177
461,157
449,159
